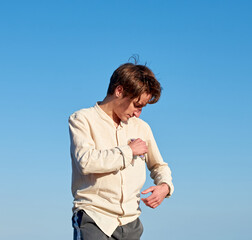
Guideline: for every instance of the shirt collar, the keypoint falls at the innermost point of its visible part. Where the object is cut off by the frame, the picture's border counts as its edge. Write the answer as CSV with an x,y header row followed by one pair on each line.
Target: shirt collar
x,y
107,118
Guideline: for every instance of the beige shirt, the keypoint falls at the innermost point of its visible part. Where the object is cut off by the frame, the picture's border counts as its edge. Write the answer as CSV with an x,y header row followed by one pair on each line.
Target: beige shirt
x,y
106,177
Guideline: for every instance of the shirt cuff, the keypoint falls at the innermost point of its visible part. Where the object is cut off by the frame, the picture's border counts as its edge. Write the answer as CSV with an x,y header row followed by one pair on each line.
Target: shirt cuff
x,y
127,154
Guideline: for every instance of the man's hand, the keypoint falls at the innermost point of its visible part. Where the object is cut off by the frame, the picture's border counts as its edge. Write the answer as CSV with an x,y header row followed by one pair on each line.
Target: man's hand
x,y
159,192
138,147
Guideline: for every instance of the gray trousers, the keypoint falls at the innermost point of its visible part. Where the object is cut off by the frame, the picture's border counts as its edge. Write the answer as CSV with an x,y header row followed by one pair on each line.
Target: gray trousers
x,y
86,229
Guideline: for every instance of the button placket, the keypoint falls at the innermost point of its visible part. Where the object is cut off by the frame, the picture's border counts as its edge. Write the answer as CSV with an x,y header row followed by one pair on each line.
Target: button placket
x,y
119,137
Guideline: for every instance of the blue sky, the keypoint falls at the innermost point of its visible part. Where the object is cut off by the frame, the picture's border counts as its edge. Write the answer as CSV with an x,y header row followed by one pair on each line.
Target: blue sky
x,y
57,57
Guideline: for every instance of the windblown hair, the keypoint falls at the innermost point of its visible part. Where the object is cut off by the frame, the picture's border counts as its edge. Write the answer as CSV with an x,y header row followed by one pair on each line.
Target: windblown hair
x,y
135,80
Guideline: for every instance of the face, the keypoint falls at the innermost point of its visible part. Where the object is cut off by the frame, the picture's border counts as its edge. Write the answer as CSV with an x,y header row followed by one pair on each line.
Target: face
x,y
127,108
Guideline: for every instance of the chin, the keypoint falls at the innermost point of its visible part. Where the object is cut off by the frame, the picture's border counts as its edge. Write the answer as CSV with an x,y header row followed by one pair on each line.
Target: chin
x,y
125,119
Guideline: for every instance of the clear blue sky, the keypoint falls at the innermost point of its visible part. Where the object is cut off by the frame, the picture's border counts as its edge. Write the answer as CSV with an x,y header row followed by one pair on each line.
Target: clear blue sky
x,y
57,57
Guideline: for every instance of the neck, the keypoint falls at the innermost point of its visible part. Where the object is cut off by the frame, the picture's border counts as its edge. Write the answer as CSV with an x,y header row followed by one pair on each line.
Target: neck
x,y
108,105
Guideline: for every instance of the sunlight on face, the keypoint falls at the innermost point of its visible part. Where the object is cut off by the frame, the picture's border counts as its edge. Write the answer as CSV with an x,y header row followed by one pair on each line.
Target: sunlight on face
x,y
131,108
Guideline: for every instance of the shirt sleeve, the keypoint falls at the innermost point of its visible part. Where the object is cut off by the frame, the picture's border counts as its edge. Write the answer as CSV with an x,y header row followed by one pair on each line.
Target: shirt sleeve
x,y
90,160
159,170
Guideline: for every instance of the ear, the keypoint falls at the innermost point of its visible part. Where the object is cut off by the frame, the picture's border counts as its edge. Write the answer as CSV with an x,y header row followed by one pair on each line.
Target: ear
x,y
119,91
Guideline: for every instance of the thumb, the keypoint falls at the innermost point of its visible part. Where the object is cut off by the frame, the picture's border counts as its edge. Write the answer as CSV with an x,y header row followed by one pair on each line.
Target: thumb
x,y
150,189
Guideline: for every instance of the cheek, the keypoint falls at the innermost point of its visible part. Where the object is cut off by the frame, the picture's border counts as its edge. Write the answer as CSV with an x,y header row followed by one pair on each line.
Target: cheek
x,y
126,107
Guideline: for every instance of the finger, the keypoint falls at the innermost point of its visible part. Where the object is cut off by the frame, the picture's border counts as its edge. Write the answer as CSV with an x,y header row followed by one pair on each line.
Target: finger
x,y
146,201
152,200
153,205
151,197
150,189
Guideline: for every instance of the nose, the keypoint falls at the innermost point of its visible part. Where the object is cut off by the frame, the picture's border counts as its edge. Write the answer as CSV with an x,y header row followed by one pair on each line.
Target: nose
x,y
137,113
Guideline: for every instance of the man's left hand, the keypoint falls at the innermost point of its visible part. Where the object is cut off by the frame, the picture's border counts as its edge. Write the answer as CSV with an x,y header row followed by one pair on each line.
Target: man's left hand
x,y
159,193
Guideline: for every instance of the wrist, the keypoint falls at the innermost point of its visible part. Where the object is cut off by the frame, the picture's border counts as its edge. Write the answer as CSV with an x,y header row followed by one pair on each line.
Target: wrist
x,y
166,187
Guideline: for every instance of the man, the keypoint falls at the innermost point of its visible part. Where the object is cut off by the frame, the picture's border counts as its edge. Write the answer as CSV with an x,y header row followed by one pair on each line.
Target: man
x,y
110,146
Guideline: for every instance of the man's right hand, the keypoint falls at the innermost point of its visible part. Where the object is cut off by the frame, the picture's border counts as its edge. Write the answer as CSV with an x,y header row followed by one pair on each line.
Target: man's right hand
x,y
138,147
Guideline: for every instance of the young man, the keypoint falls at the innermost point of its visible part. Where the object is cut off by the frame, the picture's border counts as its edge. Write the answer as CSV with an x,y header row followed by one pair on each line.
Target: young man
x,y
110,146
